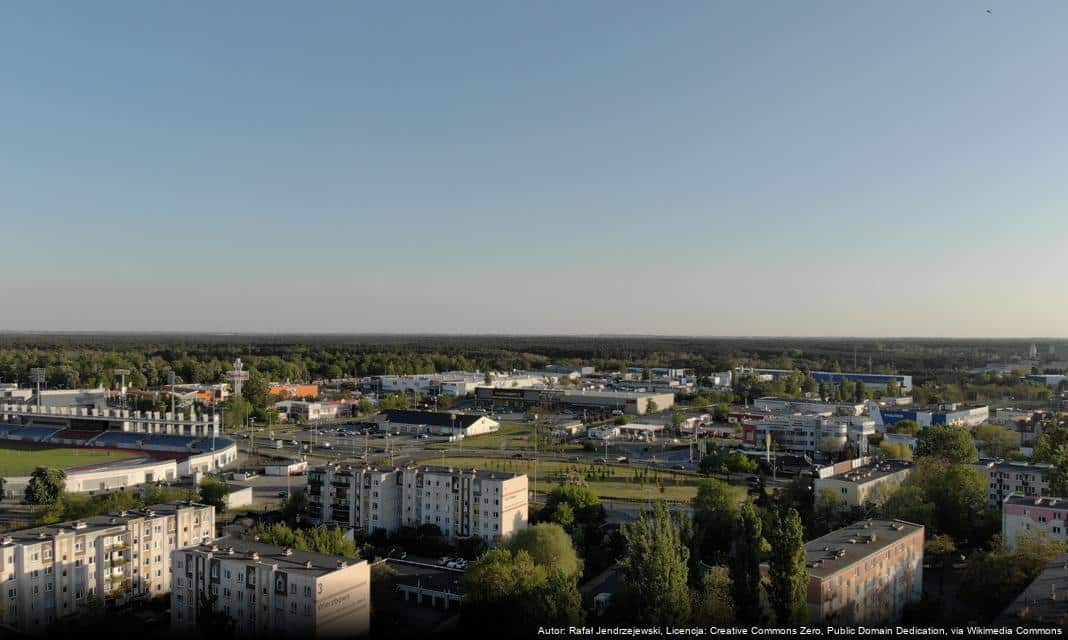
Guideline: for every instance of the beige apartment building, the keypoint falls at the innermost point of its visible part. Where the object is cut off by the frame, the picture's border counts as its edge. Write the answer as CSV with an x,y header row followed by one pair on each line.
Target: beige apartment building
x,y
1020,478
53,571
862,480
461,502
866,573
270,591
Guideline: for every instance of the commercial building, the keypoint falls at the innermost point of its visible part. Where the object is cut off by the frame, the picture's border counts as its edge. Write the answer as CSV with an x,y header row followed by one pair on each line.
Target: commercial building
x,y
293,391
1046,378
436,422
862,480
1044,603
809,434
272,592
795,405
629,402
866,573
955,414
1038,517
203,393
1006,478
456,383
461,502
870,380
57,570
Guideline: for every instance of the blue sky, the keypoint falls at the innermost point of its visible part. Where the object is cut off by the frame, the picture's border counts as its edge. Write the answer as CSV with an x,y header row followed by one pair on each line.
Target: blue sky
x,y
701,168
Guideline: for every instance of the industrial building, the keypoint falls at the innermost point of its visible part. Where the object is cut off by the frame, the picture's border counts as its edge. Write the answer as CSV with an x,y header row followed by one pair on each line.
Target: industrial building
x,y
57,570
870,380
629,402
804,405
862,480
866,573
1023,516
436,422
461,502
1006,478
270,591
955,414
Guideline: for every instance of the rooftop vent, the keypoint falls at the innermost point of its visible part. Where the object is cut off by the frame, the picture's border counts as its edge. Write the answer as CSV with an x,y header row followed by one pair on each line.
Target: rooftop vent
x,y
255,555
80,524
307,564
7,540
340,564
229,551
214,547
288,551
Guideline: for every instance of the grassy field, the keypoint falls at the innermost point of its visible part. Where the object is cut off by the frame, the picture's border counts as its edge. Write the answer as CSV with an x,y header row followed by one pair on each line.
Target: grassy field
x,y
618,485
512,436
20,459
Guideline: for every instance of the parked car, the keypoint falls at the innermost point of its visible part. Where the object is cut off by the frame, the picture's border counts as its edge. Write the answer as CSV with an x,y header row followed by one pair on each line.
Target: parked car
x,y
444,560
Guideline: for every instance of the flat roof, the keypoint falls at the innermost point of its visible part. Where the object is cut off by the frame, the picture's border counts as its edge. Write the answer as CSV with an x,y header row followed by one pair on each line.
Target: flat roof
x,y
1036,605
829,554
357,465
1048,502
872,472
95,524
286,559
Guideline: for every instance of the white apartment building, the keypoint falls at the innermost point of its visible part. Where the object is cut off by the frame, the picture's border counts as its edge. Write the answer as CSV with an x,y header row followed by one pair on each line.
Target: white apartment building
x,y
1007,478
53,571
270,591
461,502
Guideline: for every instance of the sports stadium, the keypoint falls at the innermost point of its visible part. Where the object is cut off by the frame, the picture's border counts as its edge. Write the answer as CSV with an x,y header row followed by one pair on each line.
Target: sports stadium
x,y
105,449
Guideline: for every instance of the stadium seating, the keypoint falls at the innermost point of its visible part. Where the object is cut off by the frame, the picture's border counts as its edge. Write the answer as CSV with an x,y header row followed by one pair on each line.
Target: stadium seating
x,y
121,439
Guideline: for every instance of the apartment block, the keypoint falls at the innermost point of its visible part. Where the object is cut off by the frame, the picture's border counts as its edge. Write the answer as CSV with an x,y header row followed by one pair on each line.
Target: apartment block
x,y
270,591
862,480
461,502
1023,516
54,571
1007,478
866,573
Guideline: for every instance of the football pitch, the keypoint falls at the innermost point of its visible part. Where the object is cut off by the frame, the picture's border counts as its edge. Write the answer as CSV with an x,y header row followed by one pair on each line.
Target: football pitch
x,y
21,458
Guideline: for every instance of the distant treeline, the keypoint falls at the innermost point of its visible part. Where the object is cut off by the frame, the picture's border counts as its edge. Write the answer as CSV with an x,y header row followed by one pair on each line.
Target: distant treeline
x,y
88,359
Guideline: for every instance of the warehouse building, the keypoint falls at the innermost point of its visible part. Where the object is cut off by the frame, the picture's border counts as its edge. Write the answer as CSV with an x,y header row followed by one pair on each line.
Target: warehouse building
x,y
629,402
870,380
271,592
442,423
956,414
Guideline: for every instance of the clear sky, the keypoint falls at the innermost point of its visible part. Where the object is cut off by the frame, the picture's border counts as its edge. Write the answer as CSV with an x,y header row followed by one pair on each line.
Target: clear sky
x,y
701,168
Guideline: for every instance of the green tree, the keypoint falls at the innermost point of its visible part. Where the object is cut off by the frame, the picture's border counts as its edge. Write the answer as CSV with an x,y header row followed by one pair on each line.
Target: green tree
x,y
295,505
828,511
939,550
906,427
549,546
715,509
787,575
655,570
214,492
563,515
996,440
651,407
714,607
512,590
952,444
745,564
46,485
257,391
895,450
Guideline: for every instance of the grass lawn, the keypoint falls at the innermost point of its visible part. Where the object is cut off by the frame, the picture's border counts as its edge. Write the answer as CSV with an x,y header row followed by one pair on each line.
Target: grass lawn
x,y
677,487
21,458
512,436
